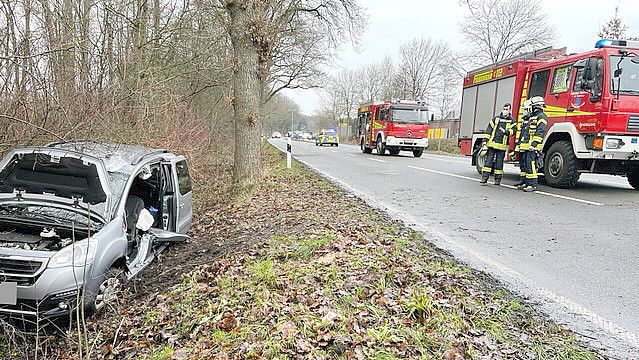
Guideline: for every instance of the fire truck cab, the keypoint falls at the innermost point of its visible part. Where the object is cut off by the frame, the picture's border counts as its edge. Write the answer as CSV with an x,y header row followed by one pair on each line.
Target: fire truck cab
x,y
592,104
394,126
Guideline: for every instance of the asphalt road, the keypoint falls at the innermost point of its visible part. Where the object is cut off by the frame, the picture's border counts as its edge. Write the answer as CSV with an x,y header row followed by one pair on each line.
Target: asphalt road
x,y
573,252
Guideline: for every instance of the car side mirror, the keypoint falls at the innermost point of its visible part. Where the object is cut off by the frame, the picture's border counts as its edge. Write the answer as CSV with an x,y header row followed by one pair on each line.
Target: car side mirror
x,y
618,72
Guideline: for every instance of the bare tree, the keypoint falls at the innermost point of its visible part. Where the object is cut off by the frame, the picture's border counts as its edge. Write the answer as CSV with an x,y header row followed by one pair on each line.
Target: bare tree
x,y
420,67
500,29
262,33
375,81
614,28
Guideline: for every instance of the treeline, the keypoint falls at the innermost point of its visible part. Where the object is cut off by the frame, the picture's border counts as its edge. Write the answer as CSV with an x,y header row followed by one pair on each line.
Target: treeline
x,y
157,72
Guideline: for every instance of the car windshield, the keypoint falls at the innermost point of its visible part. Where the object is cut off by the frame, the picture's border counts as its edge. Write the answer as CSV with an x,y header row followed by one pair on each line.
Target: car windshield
x,y
333,133
627,83
117,180
409,116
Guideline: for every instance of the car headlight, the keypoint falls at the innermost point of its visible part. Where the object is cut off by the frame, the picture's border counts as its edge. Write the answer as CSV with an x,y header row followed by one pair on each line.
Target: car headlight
x,y
614,143
78,254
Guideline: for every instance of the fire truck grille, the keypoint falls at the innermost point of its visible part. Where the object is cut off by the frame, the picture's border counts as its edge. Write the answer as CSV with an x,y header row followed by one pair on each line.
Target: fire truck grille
x,y
633,123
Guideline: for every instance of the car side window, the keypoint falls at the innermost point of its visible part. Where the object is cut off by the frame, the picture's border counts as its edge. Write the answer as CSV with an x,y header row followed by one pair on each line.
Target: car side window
x,y
184,179
539,83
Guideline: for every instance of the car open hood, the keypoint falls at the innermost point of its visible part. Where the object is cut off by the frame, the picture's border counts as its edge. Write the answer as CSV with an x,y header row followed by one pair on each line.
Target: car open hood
x,y
64,175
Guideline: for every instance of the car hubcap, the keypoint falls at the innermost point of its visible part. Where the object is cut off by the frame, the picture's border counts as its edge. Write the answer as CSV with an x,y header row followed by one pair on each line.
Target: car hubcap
x,y
556,164
107,293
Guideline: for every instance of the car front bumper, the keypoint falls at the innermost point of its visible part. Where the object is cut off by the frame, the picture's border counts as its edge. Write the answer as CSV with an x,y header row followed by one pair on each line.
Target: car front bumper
x,y
53,293
406,142
629,150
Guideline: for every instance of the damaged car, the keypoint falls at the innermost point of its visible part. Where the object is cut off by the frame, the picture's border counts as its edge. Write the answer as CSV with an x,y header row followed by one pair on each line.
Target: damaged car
x,y
78,219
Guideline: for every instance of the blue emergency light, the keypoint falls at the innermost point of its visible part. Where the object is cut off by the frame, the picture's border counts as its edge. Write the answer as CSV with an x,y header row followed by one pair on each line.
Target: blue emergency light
x,y
603,43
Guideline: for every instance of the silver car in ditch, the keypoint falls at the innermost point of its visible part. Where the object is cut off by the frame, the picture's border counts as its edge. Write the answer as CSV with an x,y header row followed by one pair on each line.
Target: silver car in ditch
x,y
77,219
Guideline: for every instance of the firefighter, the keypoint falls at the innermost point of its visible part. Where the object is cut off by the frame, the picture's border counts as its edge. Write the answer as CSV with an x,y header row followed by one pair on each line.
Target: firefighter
x,y
499,129
537,131
522,144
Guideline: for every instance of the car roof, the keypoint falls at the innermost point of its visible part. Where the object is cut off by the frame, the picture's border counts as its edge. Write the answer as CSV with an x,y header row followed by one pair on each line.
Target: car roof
x,y
114,156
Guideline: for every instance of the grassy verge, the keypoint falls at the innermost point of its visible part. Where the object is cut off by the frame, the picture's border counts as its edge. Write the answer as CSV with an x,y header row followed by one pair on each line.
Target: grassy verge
x,y
446,146
335,280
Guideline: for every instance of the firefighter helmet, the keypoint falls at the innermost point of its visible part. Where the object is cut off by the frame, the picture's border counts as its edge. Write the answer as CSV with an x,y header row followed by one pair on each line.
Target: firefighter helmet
x,y
527,107
537,102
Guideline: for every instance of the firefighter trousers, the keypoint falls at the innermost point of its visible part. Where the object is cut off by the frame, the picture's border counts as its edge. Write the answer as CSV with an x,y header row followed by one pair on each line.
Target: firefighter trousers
x,y
531,167
522,167
494,161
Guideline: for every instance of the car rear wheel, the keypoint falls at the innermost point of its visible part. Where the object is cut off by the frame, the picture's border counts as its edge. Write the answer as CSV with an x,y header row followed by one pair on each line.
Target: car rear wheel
x,y
381,149
561,167
365,149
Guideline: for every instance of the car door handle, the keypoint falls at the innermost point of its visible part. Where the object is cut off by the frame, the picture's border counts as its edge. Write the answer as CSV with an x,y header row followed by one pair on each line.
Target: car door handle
x,y
570,109
182,206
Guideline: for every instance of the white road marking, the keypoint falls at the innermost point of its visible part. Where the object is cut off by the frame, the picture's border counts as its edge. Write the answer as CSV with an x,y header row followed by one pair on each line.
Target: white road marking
x,y
570,306
509,186
351,154
467,163
335,151
378,160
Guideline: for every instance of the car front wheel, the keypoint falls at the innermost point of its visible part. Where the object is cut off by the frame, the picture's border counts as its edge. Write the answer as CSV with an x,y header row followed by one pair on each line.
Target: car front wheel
x,y
108,293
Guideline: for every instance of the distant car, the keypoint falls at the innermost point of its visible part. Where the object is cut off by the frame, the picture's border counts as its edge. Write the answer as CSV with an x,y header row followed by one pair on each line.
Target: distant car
x,y
307,136
297,135
77,219
276,135
327,137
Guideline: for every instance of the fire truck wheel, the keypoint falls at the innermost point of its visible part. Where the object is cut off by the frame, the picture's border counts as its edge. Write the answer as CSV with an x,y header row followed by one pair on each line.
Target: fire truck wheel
x,y
418,153
561,165
633,177
394,152
381,149
479,161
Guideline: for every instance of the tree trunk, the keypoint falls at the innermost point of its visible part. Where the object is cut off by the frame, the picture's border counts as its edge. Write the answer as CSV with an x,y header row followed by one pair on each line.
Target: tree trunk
x,y
247,95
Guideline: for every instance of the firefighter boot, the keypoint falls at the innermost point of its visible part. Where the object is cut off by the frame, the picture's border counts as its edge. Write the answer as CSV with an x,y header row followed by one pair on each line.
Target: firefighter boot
x,y
530,188
498,179
484,177
521,182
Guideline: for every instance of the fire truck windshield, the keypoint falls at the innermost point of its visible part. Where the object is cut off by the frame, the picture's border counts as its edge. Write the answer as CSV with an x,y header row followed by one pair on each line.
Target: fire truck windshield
x,y
409,115
627,82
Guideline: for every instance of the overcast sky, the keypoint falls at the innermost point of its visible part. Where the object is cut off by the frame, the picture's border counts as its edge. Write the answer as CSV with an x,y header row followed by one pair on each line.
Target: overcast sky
x,y
391,22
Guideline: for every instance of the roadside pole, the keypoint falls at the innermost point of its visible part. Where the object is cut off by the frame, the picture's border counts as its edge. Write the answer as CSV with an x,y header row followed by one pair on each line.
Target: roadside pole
x,y
288,152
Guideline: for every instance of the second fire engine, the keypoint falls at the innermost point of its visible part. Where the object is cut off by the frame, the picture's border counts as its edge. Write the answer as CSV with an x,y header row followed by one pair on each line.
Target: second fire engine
x,y
393,126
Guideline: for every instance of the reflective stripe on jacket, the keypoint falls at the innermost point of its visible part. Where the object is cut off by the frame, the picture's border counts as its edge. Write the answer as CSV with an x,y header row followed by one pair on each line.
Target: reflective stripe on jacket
x,y
498,130
523,142
537,129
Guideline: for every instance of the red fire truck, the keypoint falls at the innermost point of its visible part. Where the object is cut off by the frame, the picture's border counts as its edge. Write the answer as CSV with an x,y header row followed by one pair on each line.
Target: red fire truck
x,y
394,125
592,103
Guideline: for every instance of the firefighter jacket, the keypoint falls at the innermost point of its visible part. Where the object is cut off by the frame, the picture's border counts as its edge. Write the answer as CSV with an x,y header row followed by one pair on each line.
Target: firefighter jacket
x,y
523,141
537,129
498,130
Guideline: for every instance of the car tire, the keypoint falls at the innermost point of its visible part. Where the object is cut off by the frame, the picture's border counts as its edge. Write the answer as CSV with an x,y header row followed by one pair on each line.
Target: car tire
x,y
381,149
633,177
418,153
561,166
108,291
365,149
